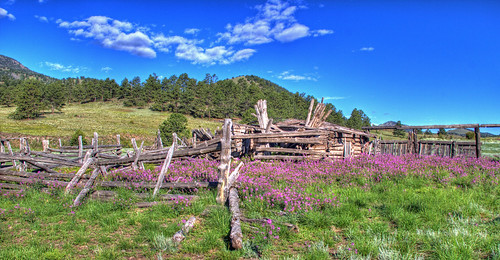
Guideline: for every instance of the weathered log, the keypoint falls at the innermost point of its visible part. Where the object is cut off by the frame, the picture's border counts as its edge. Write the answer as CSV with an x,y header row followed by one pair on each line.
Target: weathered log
x,y
87,187
310,111
68,176
79,174
9,148
236,235
292,140
283,134
137,155
10,186
225,161
29,180
165,166
280,157
181,234
290,150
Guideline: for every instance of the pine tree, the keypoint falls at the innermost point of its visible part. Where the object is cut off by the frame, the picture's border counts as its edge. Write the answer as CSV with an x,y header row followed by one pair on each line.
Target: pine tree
x,y
53,95
29,100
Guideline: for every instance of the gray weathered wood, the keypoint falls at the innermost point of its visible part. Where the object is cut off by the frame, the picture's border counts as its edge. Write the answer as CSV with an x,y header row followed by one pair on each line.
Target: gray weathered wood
x,y
87,187
80,172
225,161
165,166
80,147
236,235
311,105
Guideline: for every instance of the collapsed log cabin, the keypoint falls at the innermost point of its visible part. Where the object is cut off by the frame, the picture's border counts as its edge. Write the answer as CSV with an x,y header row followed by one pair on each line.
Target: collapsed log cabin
x,y
295,139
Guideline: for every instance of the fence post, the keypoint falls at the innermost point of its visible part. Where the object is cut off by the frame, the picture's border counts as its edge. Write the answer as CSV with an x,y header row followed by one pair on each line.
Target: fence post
x,y
478,141
225,161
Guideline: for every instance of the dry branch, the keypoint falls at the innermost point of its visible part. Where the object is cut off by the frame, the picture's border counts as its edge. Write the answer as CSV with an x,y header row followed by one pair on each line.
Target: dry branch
x,y
181,234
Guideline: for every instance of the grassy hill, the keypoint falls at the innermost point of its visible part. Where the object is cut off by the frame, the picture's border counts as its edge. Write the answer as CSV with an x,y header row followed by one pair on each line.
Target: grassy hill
x,y
106,118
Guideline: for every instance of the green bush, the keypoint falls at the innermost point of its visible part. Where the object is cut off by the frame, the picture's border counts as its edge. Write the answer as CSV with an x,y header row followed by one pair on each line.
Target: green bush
x,y
74,138
176,123
470,135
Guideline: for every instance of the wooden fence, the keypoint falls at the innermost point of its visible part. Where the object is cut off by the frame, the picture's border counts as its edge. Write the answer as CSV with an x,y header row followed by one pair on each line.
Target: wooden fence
x,y
427,147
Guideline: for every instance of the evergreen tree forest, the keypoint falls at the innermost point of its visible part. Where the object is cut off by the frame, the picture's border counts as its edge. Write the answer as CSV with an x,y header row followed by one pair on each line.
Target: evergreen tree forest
x,y
207,98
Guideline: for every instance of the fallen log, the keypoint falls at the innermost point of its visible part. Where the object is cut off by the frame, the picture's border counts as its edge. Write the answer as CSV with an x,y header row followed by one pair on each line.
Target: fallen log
x,y
29,180
164,185
109,195
236,235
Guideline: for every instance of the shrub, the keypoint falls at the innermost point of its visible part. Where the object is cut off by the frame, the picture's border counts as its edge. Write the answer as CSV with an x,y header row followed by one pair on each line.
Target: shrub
x,y
470,135
74,138
176,123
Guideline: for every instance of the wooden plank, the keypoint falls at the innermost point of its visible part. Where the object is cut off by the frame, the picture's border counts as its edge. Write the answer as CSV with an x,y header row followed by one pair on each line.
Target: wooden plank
x,y
489,125
279,157
292,140
283,134
290,150
421,126
165,166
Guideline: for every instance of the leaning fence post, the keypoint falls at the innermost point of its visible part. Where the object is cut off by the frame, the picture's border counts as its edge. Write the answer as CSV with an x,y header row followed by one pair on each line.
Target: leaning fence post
x,y
165,166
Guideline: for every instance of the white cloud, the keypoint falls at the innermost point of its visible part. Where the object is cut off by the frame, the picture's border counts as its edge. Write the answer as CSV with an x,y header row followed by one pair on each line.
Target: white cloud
x,y
42,18
187,49
193,31
293,33
63,68
275,20
5,14
334,98
321,32
367,49
287,75
111,33
106,69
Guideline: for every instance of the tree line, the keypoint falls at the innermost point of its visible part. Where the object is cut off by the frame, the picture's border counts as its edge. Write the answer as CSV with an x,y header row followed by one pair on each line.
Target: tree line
x,y
207,98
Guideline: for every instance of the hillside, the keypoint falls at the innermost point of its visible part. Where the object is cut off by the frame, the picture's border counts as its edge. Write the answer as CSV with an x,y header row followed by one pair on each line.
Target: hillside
x,y
15,70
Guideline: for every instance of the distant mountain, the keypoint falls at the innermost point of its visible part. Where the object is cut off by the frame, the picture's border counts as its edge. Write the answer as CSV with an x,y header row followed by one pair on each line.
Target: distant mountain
x,y
15,70
389,123
460,132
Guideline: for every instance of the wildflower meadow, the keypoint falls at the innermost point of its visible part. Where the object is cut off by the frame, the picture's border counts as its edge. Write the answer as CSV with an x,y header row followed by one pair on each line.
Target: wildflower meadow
x,y
368,207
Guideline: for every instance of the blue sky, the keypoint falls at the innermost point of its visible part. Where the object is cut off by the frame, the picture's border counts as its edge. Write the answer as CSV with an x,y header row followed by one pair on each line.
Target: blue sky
x,y
421,62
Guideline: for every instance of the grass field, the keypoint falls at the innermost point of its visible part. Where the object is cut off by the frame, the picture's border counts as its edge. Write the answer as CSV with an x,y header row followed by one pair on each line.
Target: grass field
x,y
108,119
381,207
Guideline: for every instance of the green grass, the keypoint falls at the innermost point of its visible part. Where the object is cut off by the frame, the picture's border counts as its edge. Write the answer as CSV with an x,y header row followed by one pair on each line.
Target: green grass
x,y
106,118
410,218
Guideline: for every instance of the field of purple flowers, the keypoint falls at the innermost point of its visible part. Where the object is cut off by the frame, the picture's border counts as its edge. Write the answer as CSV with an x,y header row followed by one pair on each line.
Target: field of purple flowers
x,y
369,207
